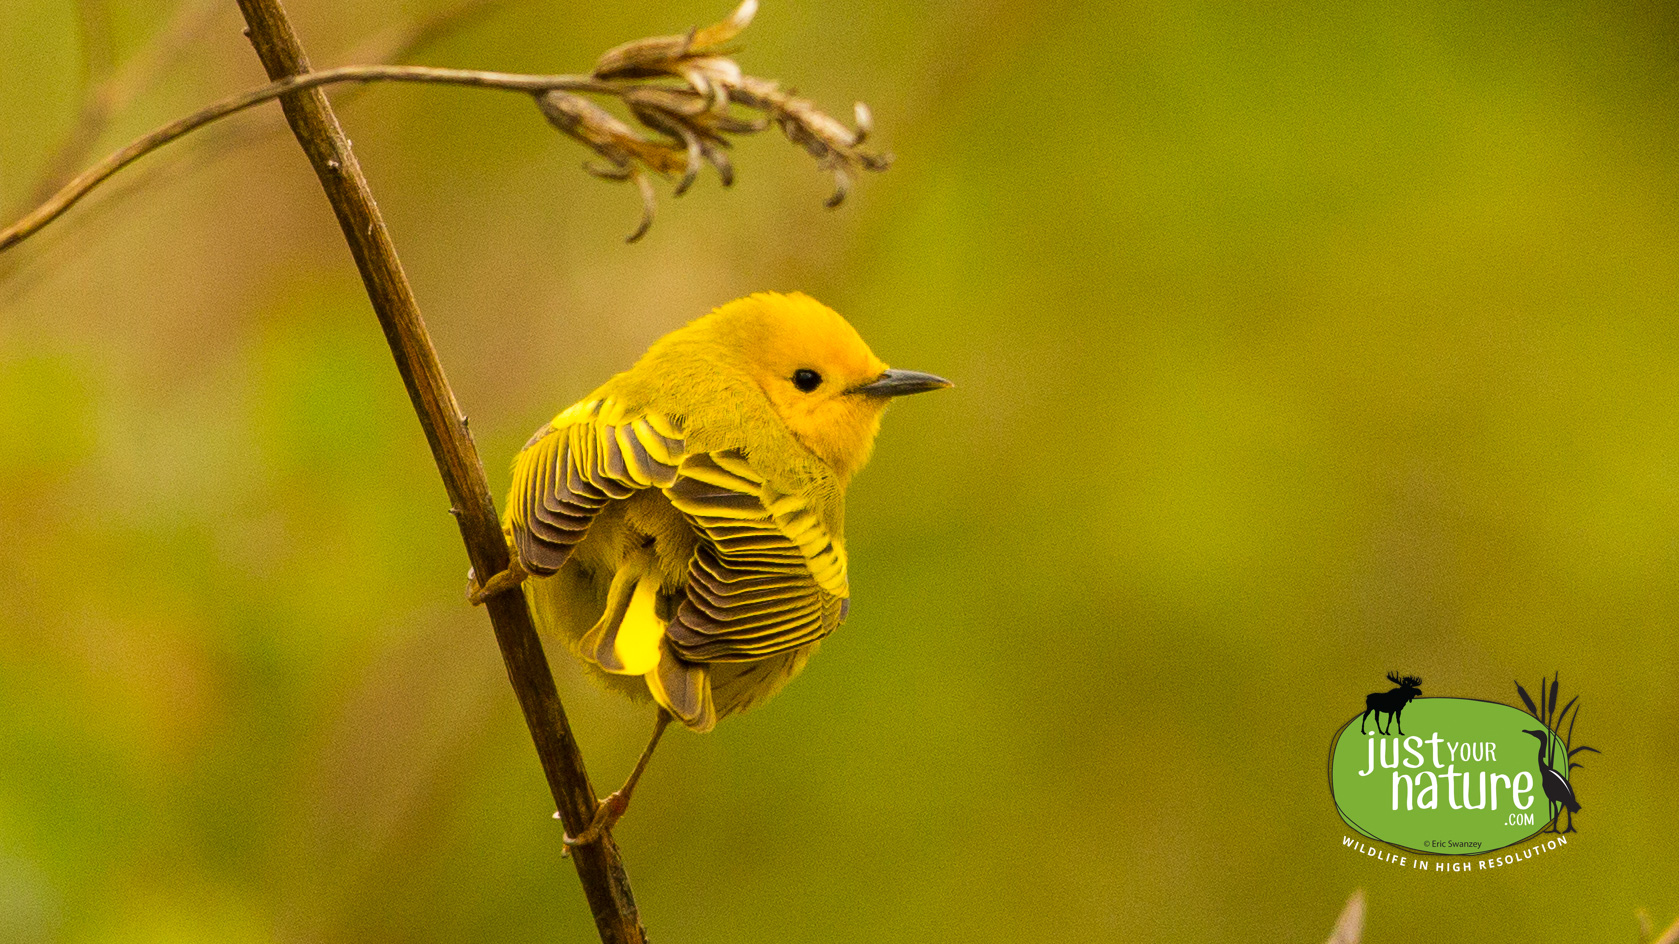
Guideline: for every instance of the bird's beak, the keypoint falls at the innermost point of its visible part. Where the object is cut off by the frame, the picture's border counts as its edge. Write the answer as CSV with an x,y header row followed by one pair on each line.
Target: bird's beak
x,y
897,383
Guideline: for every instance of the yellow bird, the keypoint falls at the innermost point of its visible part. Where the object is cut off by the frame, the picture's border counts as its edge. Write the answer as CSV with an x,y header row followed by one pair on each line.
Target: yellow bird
x,y
682,528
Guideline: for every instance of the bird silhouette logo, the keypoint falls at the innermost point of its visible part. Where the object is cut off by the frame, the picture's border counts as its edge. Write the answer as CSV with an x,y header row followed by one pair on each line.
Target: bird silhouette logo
x,y
1558,785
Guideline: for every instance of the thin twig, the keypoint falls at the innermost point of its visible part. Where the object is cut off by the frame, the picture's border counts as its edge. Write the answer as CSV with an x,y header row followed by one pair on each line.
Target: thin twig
x,y
316,127
97,174
139,72
691,120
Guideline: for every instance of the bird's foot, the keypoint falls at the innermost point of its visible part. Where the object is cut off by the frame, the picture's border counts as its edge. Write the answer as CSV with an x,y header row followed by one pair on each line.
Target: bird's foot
x,y
608,812
508,579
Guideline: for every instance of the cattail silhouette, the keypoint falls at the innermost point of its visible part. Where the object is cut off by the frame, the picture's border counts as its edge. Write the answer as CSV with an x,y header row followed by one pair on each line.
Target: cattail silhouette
x,y
1558,787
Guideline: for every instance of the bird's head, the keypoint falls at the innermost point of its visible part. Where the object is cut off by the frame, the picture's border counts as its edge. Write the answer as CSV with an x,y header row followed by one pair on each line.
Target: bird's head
x,y
1542,736
823,381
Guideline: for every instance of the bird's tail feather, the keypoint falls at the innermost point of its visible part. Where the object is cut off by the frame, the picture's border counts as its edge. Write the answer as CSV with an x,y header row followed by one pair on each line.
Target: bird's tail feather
x,y
684,689
625,640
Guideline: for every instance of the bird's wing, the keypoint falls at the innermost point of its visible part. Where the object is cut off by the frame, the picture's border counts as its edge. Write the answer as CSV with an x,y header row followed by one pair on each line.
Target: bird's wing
x,y
768,577
589,455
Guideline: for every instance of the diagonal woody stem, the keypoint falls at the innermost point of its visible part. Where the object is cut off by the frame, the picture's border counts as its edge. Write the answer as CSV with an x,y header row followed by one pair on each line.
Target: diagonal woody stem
x,y
312,120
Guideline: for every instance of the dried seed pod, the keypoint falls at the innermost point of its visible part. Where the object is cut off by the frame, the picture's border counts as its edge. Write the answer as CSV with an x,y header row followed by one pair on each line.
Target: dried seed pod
x,y
667,55
836,148
605,134
865,123
692,121
629,155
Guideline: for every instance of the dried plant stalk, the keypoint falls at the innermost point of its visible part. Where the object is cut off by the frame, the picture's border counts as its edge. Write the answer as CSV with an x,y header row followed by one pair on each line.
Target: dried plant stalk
x,y
696,116
685,90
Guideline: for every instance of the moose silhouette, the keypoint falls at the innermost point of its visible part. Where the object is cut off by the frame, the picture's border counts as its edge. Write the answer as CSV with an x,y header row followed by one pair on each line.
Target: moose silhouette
x,y
1391,702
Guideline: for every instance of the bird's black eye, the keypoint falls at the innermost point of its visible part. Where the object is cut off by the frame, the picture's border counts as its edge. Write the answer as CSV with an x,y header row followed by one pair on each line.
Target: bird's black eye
x,y
806,379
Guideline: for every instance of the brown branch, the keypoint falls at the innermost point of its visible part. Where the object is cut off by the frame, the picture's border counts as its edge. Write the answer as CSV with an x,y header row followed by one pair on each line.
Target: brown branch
x,y
692,121
316,128
98,173
139,73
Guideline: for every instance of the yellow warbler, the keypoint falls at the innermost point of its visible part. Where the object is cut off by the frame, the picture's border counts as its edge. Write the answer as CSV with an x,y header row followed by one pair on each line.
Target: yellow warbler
x,y
682,527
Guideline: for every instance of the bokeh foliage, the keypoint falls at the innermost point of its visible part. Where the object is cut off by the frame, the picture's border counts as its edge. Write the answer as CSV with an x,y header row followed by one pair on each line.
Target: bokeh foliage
x,y
1296,342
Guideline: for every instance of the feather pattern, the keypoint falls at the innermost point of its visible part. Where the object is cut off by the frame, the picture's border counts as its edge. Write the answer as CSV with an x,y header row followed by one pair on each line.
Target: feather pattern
x,y
767,578
573,467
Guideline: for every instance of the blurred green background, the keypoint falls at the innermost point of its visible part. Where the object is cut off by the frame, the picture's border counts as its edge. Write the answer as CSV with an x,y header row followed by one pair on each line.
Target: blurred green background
x,y
1295,343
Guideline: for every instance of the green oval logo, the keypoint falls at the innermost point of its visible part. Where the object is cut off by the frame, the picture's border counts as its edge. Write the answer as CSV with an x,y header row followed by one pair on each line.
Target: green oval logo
x,y
1448,776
